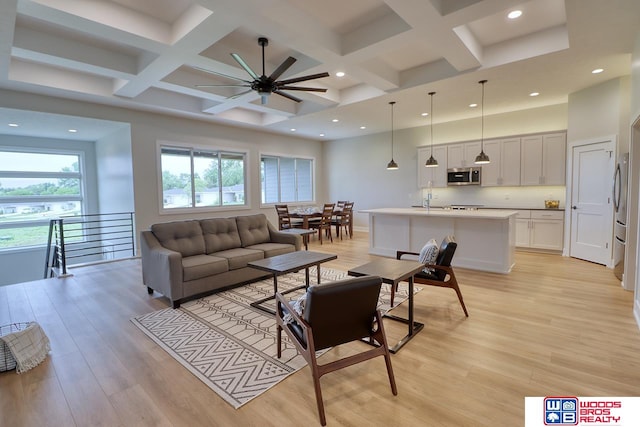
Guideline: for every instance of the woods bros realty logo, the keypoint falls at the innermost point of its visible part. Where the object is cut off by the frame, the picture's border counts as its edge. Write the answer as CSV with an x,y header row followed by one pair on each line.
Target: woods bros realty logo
x,y
582,411
569,411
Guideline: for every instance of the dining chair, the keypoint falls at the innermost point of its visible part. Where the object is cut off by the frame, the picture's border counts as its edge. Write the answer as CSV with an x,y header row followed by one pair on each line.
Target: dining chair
x,y
284,218
336,313
324,225
343,220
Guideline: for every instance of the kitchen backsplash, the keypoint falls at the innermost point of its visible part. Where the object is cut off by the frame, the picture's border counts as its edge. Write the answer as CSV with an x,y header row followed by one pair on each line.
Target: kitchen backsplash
x,y
494,197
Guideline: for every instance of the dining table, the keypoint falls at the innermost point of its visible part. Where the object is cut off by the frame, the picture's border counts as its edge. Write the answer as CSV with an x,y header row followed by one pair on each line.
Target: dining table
x,y
307,213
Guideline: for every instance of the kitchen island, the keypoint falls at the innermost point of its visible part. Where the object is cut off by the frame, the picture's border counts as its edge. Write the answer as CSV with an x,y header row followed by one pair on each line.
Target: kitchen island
x,y
486,238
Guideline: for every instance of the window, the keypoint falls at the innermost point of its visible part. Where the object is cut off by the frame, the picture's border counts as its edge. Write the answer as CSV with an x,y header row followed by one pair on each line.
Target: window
x,y
286,179
36,186
194,178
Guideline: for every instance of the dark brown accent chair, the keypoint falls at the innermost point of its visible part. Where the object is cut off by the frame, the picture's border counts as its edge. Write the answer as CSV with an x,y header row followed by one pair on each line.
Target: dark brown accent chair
x,y
442,274
336,313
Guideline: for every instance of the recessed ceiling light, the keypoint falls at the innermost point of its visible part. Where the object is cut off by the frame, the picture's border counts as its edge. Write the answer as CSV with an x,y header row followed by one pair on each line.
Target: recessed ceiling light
x,y
322,134
73,130
363,127
424,114
534,94
473,105
514,14
14,125
340,74
335,120
293,129
597,71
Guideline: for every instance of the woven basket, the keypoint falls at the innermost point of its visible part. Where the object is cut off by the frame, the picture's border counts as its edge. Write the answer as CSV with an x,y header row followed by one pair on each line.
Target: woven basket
x,y
7,362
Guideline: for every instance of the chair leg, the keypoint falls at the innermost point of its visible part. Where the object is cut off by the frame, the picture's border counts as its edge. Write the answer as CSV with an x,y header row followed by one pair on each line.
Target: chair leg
x,y
387,355
279,340
316,385
454,285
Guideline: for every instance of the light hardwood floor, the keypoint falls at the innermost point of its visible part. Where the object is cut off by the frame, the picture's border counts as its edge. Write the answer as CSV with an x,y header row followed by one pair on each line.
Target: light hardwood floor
x,y
554,326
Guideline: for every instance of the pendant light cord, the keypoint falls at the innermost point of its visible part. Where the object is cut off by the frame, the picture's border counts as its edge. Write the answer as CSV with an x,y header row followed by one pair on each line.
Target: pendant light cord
x,y
482,117
392,103
431,125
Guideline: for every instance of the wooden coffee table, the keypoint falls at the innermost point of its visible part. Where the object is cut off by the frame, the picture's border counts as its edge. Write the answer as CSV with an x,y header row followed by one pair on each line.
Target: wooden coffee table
x,y
394,271
289,263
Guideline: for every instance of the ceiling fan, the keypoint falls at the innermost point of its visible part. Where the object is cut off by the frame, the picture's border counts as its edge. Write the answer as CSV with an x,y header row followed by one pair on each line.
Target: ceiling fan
x,y
264,85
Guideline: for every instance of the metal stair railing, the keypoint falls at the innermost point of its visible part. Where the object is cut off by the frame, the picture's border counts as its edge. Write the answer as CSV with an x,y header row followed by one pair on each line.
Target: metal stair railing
x,y
88,238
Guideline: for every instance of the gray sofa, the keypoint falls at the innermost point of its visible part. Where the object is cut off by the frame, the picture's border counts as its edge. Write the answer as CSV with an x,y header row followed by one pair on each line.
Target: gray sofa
x,y
186,259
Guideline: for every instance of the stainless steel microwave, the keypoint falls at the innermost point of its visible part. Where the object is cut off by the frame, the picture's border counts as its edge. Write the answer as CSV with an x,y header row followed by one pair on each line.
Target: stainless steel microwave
x,y
463,176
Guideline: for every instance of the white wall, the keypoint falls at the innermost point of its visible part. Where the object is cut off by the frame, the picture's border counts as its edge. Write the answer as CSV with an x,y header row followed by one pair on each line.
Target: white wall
x,y
115,172
361,162
633,229
601,110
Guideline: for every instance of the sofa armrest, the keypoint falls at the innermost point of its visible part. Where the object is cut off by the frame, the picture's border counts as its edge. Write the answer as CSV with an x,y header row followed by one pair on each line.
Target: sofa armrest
x,y
281,237
161,267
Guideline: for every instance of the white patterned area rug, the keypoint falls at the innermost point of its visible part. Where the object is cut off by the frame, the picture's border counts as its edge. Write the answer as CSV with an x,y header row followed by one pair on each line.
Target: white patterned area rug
x,y
231,346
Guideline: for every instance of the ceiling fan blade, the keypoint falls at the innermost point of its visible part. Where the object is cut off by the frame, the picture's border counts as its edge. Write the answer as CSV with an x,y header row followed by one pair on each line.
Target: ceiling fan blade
x,y
282,68
238,95
308,89
223,85
286,95
244,65
220,74
303,78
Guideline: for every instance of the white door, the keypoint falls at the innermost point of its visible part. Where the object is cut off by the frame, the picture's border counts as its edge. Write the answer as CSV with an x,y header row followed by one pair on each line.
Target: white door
x,y
591,204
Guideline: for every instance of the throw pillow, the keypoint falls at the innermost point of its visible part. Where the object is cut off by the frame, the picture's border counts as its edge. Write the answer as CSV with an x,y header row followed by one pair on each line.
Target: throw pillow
x,y
298,306
429,254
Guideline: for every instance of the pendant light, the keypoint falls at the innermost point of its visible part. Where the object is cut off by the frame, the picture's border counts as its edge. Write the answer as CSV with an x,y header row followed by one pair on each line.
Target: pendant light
x,y
482,158
392,165
431,161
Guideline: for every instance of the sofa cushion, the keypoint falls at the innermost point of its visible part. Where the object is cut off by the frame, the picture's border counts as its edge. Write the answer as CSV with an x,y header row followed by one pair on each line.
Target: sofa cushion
x,y
239,257
180,236
273,249
220,234
253,229
199,266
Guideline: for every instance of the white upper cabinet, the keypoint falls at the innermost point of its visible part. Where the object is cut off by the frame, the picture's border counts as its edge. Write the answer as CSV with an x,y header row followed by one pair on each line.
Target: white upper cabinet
x,y
543,159
437,175
554,152
462,155
504,168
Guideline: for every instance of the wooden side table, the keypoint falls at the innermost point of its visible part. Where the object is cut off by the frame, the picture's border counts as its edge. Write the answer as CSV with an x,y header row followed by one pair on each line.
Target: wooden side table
x,y
392,272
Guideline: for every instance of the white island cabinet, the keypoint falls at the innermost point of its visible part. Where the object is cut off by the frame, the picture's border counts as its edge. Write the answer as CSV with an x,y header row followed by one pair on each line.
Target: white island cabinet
x,y
486,238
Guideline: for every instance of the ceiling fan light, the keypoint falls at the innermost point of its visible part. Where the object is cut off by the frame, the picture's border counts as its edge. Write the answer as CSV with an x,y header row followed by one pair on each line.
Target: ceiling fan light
x,y
431,162
482,159
392,165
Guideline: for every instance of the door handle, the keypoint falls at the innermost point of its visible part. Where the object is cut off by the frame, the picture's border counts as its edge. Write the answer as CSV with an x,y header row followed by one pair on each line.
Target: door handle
x,y
574,207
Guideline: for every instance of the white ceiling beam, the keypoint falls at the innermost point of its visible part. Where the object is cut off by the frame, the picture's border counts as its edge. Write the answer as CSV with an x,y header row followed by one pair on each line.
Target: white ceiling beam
x,y
7,27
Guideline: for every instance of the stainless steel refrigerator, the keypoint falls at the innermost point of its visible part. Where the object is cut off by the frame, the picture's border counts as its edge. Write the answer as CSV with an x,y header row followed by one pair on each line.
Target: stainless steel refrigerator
x,y
620,204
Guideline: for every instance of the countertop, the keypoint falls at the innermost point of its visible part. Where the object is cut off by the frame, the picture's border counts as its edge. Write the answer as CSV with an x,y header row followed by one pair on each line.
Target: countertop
x,y
446,213
509,208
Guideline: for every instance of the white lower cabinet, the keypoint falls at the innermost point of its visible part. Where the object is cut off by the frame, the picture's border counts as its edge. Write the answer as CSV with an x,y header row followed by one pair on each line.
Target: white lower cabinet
x,y
540,229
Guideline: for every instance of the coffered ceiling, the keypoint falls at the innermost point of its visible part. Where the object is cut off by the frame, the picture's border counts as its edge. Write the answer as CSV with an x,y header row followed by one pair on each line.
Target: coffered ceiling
x,y
148,55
